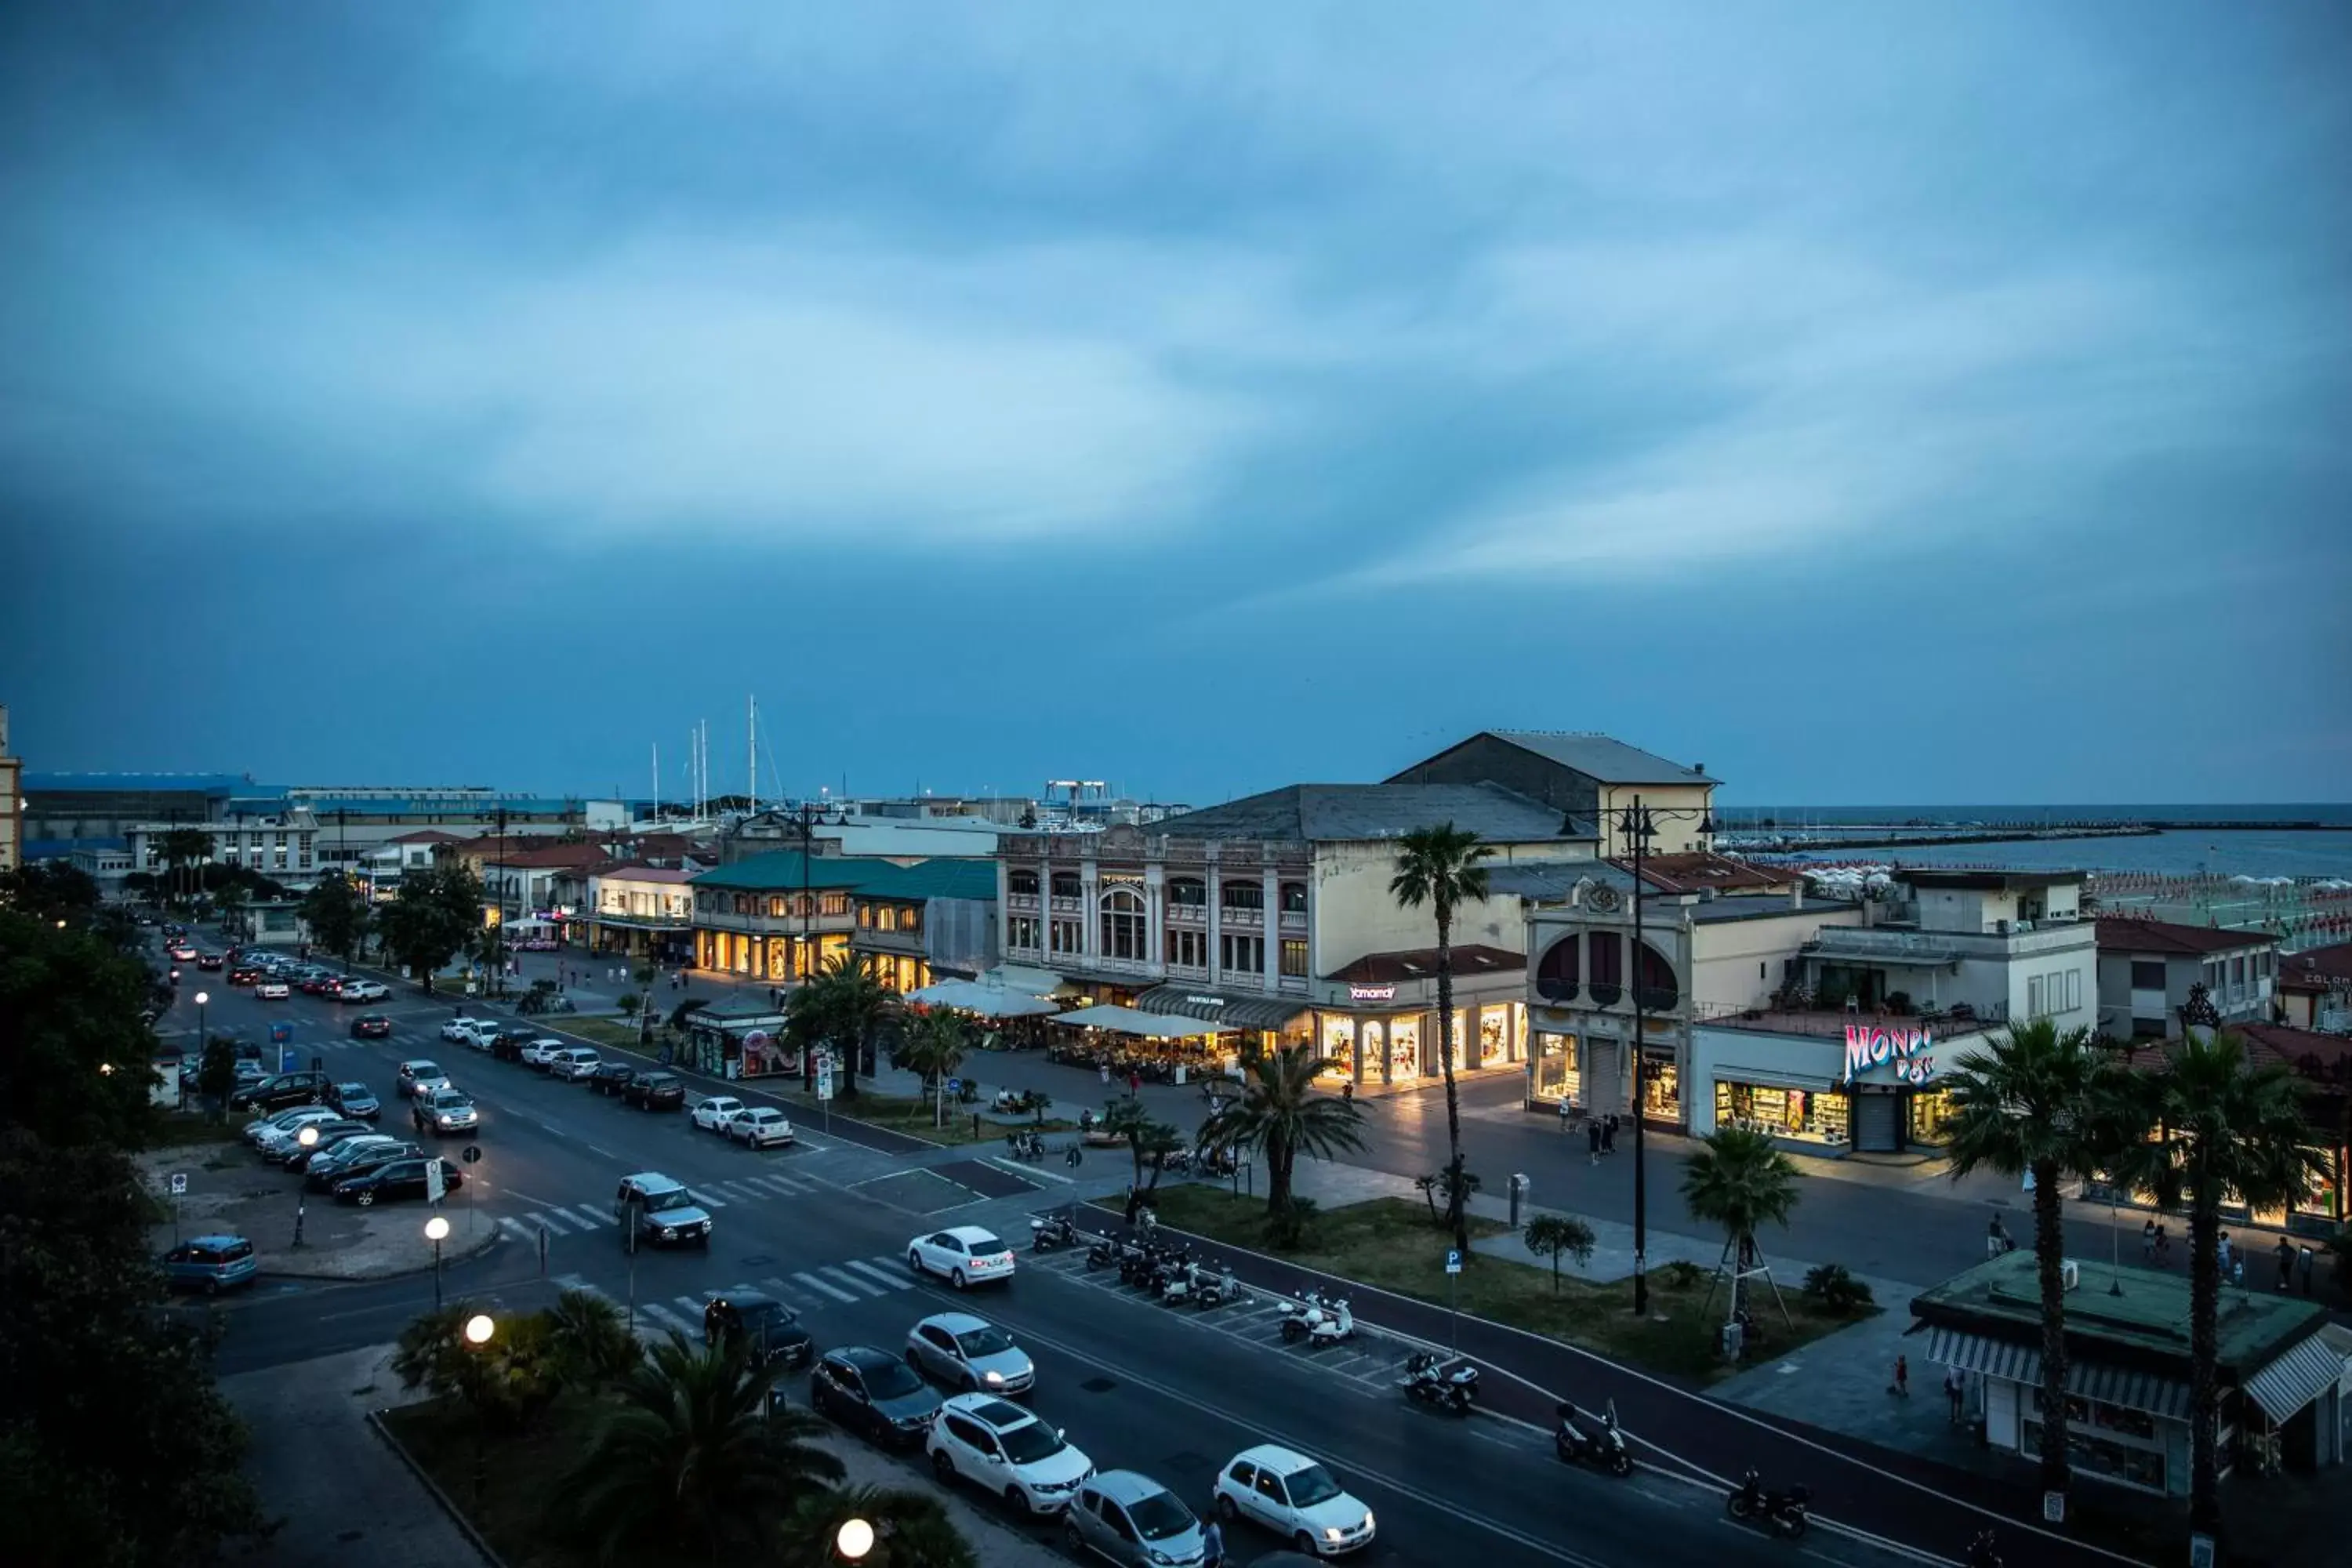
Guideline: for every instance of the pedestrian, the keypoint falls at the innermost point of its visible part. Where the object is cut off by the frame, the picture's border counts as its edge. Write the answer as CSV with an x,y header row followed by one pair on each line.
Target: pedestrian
x,y
1593,1140
975,1126
1134,1200
1134,1083
2238,1272
1102,1070
1071,1156
1609,1134
1995,1238
2163,1247
2303,1261
1213,1545
1347,1092
1954,1393
2147,1241
2222,1249
1901,1387
1566,1112
2285,1255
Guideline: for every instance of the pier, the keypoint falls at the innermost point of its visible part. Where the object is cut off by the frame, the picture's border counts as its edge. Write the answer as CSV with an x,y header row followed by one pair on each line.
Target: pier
x,y
1914,836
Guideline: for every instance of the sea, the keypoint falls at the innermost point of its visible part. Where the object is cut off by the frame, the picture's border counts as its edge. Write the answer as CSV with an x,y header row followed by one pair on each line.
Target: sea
x,y
2252,852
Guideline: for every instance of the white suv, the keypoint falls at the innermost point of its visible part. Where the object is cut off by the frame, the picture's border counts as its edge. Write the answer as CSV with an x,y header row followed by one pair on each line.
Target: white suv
x,y
572,1063
1005,1451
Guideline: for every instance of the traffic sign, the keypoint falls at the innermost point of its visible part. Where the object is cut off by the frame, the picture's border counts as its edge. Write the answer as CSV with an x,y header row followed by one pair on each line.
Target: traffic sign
x,y
472,1154
179,1183
1454,1260
824,1078
280,1033
435,1184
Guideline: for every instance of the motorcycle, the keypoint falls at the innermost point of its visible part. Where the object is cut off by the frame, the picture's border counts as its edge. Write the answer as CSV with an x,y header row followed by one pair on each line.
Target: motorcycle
x,y
1783,1514
1104,1253
1045,1234
1178,1289
1025,1145
1428,1379
1336,1323
1604,1450
1302,1313
1217,1289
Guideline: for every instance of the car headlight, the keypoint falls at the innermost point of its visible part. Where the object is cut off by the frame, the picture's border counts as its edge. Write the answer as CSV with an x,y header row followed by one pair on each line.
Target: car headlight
x,y
1335,1534
1368,1518
668,1234
994,1376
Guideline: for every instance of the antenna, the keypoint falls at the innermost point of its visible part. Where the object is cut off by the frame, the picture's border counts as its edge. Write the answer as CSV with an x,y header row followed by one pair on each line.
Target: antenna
x,y
754,806
656,781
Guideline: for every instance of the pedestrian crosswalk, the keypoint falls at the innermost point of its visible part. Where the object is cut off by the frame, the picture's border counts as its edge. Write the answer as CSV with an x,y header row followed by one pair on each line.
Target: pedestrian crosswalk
x,y
578,1219
821,1287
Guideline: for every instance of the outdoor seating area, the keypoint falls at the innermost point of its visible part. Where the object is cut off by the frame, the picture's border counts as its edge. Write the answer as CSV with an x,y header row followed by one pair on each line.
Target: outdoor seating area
x,y
1160,1047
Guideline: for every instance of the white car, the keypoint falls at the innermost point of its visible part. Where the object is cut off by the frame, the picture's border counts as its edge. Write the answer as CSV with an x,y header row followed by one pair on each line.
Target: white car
x,y
478,1034
362,991
965,1254
1295,1498
254,1132
971,1354
459,1031
1007,1452
271,990
572,1063
758,1126
712,1113
274,1142
542,1052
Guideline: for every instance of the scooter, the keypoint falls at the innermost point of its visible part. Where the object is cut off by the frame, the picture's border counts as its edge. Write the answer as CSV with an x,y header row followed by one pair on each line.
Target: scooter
x,y
1335,1323
1604,1450
1302,1314
1045,1234
1217,1290
1105,1253
1177,1290
1783,1514
1427,1379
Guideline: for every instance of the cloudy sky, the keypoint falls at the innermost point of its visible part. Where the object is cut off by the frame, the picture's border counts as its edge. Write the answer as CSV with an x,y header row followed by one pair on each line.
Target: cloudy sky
x,y
1872,407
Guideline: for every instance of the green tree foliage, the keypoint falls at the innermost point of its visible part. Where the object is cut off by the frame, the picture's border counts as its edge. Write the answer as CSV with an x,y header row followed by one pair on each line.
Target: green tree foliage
x,y
438,912
911,1530
1553,1235
505,1384
1832,1288
76,1065
216,1070
336,913
935,1045
845,1007
2031,1103
1738,1180
1278,1116
182,849
1439,866
50,890
589,1342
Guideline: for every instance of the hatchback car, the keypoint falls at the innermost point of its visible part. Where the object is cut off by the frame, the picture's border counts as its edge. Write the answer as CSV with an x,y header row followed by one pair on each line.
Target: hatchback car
x,y
371,1026
873,1394
611,1078
356,1100
211,1264
759,1127
1008,1452
769,1330
655,1091
208,961
275,1140
356,1157
395,1179
420,1078
712,1113
964,1255
970,1353
446,1111
459,1031
1126,1517
244,975
252,1132
1296,1498
572,1063
655,1209
542,1052
319,982
325,1135
270,989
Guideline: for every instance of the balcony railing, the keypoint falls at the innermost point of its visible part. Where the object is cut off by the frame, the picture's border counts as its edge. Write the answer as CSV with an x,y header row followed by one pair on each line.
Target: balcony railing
x,y
1233,918
1062,906
1293,920
1188,914
1834,1021
1021,900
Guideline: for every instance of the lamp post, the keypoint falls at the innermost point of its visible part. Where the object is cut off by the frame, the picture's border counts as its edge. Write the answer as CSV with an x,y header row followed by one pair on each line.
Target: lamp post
x,y
309,1139
479,1330
1640,824
854,1539
436,1230
202,997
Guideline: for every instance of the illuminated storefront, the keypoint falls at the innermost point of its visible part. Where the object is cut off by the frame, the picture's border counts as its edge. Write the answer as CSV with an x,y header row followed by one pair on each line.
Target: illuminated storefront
x,y
1375,1032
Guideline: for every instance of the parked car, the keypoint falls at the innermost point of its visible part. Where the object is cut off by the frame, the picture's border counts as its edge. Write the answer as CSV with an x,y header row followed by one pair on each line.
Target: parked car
x,y
393,1179
1010,1451
211,1264
244,1072
964,1254
478,1034
446,1111
278,1141
713,1112
758,1127
770,1330
271,989
572,1063
658,1210
1294,1497
612,1078
542,1052
419,1077
873,1394
281,1090
252,1130
970,1353
459,1031
356,1100
507,1046
655,1091
319,982
1127,1518
362,991
328,1134
356,1157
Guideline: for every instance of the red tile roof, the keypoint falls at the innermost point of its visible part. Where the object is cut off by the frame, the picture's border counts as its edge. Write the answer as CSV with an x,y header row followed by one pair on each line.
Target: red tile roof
x,y
1421,964
2162,936
1696,873
2315,969
2313,1055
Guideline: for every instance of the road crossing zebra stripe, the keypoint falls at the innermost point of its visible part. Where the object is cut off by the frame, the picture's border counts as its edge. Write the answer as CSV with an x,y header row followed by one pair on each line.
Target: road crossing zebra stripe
x,y
835,1291
706,1200
516,1228
776,1184
742,1190
848,1278
895,1278
560,1222
667,1319
597,1218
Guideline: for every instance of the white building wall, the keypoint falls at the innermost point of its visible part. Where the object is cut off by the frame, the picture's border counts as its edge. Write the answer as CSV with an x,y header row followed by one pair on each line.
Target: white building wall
x,y
1738,964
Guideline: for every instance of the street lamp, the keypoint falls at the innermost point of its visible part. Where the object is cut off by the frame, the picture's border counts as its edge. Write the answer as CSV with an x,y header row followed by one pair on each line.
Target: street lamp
x,y
479,1330
1640,824
854,1539
202,997
436,1230
309,1139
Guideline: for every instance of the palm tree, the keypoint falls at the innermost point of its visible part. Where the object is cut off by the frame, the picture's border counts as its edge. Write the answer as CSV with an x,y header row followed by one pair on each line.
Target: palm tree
x,y
589,1341
2220,1128
693,1458
911,1530
936,1045
841,1004
1439,867
186,847
2031,1104
1278,1115
1741,1181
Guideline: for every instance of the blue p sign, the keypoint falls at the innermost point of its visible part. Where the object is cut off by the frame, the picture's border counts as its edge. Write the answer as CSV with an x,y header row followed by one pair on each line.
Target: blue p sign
x,y
1454,1260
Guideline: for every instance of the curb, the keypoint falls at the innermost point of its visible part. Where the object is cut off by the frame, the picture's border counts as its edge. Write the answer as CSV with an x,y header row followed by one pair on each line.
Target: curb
x,y
489,1239
457,1517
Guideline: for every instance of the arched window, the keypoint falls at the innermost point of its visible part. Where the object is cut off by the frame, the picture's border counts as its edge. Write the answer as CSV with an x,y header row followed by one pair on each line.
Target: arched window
x,y
1188,893
1558,976
1240,895
1123,924
1022,882
1608,979
1293,897
1066,885
1653,980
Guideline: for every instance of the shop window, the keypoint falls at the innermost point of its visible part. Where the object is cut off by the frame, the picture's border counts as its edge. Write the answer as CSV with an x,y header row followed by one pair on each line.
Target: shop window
x,y
1810,1116
1242,954
1662,1087
1242,895
1494,1036
832,903
1556,1075
1066,885
1293,897
1608,968
1294,959
1123,924
1404,1049
1557,974
1339,1048
1188,948
1657,987
1024,882
1188,893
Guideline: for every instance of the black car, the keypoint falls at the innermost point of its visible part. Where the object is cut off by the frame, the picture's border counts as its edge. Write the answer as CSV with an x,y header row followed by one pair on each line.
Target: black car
x,y
655,1091
875,1395
612,1078
356,1100
331,1133
280,1091
770,1330
368,1160
371,1026
506,1045
393,1179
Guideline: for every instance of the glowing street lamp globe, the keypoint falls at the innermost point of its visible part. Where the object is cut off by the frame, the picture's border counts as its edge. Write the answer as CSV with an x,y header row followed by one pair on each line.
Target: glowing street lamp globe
x,y
855,1538
308,1136
436,1229
478,1328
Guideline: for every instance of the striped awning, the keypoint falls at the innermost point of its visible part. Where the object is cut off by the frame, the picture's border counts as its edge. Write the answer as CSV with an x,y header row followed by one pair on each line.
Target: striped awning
x,y
2161,1397
1225,1010
2296,1378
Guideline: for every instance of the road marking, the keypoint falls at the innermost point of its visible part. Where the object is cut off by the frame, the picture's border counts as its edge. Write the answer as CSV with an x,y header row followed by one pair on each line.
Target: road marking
x,y
547,1220
516,1228
778,1184
668,1318
835,1291
706,1200
595,1217
896,1279
691,1306
848,1278
743,1190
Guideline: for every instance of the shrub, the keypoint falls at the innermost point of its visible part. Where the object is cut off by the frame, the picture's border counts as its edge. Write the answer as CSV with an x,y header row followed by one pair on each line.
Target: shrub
x,y
1551,1234
1682,1274
1832,1289
1899,1004
1286,1231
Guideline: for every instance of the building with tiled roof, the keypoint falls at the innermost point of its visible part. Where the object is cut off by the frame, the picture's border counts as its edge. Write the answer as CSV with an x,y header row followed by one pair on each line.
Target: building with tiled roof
x,y
2315,988
1591,779
2147,969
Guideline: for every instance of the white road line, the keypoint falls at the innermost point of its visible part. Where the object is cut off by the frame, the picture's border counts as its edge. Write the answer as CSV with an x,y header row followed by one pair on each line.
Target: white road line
x,y
516,1228
783,1185
835,1291
743,1190
595,1217
1029,1171
691,1306
705,1199
668,1320
848,1278
556,1220
895,1278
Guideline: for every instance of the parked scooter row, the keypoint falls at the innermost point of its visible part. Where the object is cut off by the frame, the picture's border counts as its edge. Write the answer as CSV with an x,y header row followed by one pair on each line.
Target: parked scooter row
x,y
1166,1271
1052,1232
1317,1319
1025,1145
1429,1379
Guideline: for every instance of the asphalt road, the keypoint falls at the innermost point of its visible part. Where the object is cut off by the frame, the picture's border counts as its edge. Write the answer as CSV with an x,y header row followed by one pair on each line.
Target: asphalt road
x,y
825,1225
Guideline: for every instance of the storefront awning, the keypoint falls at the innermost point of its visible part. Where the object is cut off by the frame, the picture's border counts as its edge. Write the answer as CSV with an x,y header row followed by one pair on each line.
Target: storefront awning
x,y
1129,1021
971,996
2296,1378
1025,981
2161,1397
1220,1009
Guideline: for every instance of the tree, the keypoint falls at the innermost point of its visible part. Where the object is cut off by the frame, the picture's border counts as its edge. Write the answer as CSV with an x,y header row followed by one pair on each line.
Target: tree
x,y
1438,865
841,1005
2221,1129
911,1530
1551,1234
50,890
78,1065
1739,1181
589,1342
182,847
216,1071
336,913
2030,1104
693,1458
1278,1115
438,908
935,1047
505,1384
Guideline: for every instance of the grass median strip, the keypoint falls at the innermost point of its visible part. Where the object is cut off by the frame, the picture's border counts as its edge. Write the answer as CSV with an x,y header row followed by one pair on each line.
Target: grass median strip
x,y
1390,1243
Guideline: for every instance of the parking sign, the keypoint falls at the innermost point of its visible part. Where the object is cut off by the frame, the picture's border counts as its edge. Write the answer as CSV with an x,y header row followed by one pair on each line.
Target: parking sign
x,y
824,1078
435,1184
179,1183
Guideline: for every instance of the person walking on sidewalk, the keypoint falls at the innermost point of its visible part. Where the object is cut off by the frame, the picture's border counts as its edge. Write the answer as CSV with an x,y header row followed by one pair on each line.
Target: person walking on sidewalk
x,y
2222,1250
2147,1242
1609,1134
1954,1393
2285,1255
1593,1140
1901,1387
1213,1545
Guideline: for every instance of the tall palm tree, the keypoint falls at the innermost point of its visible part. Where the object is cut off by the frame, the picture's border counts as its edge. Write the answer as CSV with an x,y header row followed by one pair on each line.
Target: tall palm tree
x,y
692,1459
848,1005
1438,865
2030,1104
1739,1181
1278,1115
184,847
935,1047
911,1530
2222,1128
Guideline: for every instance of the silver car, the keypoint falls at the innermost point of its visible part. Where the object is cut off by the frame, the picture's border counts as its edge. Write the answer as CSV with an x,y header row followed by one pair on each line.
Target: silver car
x,y
1127,1518
970,1353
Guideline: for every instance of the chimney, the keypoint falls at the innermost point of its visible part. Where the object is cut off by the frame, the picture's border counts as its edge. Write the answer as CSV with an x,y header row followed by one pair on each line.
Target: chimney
x,y
1797,894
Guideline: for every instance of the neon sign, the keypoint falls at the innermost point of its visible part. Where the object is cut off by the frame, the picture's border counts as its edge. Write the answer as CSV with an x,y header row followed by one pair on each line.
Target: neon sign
x,y
1371,993
1908,1051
